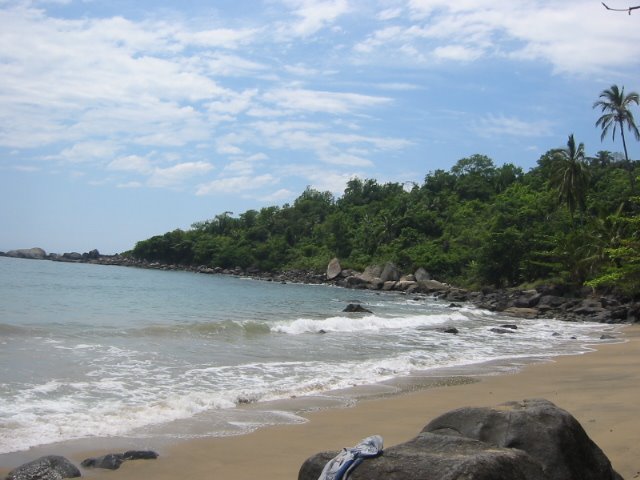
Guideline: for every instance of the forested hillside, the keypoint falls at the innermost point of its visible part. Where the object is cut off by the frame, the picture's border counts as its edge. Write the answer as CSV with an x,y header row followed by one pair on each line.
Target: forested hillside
x,y
572,219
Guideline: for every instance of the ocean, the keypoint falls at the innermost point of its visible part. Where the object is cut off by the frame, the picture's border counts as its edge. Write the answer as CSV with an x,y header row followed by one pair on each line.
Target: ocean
x,y
146,356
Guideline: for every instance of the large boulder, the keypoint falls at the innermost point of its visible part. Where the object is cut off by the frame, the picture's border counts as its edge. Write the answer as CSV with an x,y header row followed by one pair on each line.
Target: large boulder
x,y
31,253
436,457
333,269
528,440
390,273
371,274
422,275
51,467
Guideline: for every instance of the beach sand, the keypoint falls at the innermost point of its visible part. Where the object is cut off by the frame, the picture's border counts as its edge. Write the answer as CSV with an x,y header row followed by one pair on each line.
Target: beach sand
x,y
600,388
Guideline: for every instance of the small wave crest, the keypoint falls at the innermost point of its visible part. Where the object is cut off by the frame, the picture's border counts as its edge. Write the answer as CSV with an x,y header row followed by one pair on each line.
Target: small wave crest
x,y
206,329
370,323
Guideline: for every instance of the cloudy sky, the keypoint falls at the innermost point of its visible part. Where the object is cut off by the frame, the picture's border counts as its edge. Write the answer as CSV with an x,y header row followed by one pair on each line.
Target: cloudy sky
x,y
120,120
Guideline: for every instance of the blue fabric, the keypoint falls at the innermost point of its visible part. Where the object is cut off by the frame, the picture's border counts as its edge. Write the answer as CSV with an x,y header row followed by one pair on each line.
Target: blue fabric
x,y
339,467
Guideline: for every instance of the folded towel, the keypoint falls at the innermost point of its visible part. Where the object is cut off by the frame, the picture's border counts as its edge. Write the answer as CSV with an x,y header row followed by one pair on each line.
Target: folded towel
x,y
339,467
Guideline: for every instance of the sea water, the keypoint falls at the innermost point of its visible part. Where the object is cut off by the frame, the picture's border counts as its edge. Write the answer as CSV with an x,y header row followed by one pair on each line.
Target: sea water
x,y
94,351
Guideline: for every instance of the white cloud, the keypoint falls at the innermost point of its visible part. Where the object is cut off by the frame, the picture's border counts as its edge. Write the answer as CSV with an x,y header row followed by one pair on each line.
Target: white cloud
x,y
237,184
131,163
278,196
313,15
176,174
322,101
389,14
220,37
496,125
572,36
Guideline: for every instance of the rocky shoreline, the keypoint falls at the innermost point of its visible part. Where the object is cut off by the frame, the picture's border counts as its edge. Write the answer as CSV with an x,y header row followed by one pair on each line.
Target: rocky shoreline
x,y
546,301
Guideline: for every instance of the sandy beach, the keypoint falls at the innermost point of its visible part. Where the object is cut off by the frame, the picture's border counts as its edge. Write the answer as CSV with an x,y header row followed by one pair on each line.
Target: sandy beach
x,y
600,388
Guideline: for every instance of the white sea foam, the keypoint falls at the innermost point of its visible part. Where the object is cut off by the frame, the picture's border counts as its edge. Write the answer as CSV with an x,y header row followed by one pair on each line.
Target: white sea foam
x,y
371,323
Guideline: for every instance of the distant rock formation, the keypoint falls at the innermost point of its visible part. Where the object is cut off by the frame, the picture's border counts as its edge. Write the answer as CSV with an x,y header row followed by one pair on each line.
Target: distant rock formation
x,y
31,253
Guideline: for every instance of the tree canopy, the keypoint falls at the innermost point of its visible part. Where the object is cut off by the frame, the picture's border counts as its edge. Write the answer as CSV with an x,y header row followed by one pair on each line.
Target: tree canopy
x,y
477,224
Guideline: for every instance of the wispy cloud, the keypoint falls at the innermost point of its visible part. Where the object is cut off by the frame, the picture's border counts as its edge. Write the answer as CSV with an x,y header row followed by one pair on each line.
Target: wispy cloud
x,y
496,125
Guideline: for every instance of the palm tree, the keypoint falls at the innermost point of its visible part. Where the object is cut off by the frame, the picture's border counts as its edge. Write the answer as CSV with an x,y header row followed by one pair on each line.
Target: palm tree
x,y
571,175
615,113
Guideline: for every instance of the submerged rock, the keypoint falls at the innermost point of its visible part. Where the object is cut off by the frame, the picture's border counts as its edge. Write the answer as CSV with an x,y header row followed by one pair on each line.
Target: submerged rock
x,y
356,308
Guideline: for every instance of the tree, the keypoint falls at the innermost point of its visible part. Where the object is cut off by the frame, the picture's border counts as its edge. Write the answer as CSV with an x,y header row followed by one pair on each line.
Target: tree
x,y
616,113
570,175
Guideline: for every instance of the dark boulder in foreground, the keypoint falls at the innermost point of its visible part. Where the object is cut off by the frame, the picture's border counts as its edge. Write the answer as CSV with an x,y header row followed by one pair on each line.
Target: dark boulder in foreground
x,y
528,440
51,467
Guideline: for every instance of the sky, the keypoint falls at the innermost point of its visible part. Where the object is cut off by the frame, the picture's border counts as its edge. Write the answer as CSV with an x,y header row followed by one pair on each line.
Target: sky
x,y
121,120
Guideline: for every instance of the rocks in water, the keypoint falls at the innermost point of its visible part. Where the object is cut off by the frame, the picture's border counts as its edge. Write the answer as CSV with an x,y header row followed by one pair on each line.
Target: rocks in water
x,y
453,330
528,440
501,330
356,308
112,461
51,467
512,326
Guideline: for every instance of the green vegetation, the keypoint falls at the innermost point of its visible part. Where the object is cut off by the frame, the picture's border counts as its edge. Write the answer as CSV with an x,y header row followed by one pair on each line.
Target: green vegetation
x,y
476,225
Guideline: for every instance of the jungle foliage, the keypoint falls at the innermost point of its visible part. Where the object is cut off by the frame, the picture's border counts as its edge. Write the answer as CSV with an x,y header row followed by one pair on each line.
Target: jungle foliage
x,y
572,219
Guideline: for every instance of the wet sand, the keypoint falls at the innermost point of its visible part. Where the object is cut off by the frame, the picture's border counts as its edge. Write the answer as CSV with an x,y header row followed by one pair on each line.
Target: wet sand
x,y
600,388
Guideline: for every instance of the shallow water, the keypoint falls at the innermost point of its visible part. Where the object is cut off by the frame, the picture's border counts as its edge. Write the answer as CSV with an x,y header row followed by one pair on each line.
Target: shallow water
x,y
92,351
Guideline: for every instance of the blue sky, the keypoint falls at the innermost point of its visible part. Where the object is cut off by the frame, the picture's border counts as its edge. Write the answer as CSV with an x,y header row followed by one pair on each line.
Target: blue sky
x,y
121,120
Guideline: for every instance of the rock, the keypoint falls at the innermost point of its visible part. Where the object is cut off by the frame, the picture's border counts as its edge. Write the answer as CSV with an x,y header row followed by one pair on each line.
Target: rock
x,y
333,269
356,308
112,461
509,325
52,467
92,255
353,282
387,286
606,336
30,253
430,286
528,440
453,330
73,256
422,275
140,455
408,278
404,285
501,330
390,273
521,312
547,433
436,457
371,274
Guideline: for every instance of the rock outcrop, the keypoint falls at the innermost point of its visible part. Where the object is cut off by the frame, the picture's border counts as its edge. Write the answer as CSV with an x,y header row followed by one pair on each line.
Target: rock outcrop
x,y
528,440
52,467
31,253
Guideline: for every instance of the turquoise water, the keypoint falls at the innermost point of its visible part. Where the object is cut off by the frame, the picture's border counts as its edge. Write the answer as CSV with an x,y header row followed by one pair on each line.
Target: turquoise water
x,y
92,351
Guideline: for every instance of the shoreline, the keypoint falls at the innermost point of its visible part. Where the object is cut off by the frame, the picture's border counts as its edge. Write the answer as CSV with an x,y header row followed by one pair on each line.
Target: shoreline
x,y
600,388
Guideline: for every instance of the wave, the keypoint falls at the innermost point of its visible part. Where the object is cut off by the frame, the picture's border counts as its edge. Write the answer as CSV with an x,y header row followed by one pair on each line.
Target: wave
x,y
370,323
248,327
